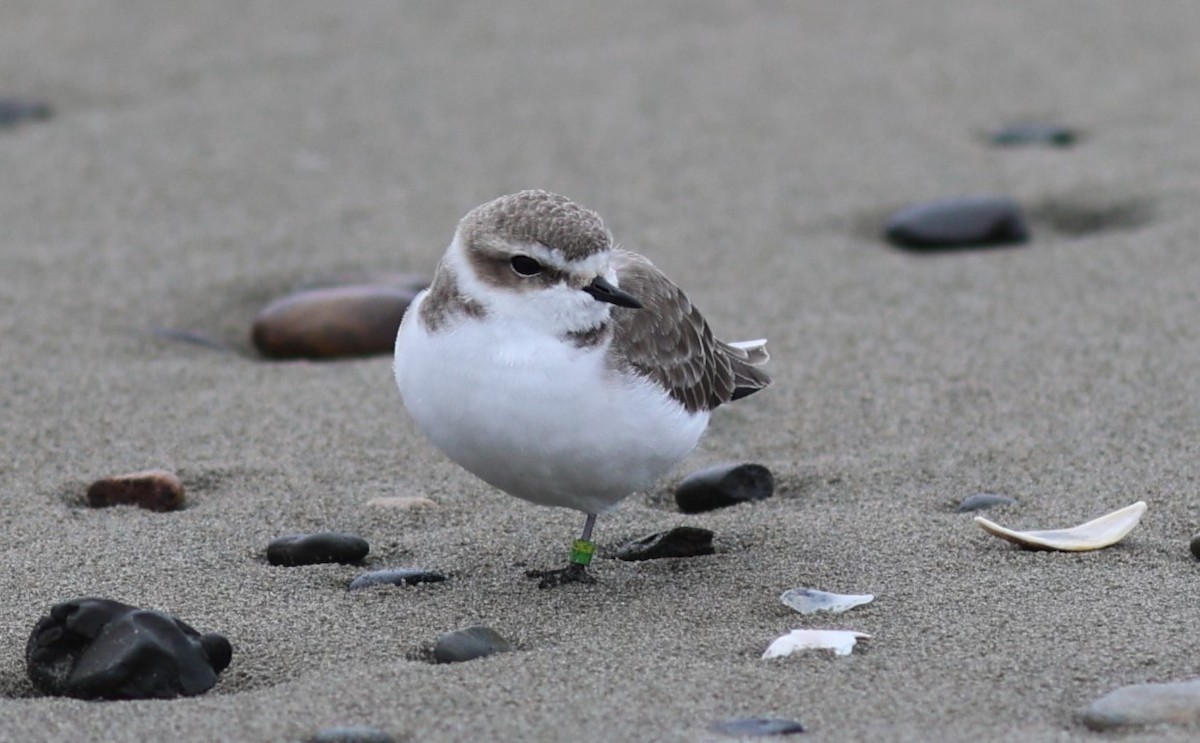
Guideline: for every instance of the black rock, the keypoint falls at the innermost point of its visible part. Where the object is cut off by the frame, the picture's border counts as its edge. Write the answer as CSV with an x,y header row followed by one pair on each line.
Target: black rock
x,y
14,111
724,485
396,577
351,734
312,549
1194,546
1034,133
469,644
964,222
980,501
94,648
754,727
682,541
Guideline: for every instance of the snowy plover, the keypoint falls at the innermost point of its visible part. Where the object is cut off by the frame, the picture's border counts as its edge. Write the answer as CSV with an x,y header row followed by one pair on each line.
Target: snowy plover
x,y
559,368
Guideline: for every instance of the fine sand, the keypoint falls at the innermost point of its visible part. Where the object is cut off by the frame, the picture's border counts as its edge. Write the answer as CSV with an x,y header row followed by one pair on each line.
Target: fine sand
x,y
206,157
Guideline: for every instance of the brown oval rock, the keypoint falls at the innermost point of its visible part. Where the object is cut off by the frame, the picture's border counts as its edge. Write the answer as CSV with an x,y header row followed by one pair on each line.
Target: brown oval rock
x,y
330,323
155,490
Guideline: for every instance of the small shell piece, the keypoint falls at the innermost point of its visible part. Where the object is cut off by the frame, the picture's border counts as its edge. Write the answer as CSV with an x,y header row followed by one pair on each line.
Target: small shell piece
x,y
1095,534
840,641
810,600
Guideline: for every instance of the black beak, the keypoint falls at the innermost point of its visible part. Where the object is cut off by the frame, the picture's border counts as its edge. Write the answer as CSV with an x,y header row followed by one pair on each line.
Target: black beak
x,y
606,292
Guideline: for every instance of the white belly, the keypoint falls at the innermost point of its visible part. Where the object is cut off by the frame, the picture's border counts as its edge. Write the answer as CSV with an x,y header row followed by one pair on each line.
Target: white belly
x,y
537,417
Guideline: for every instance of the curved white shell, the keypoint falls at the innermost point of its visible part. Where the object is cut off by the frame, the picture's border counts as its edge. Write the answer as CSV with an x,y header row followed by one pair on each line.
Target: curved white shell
x,y
810,600
840,641
1095,534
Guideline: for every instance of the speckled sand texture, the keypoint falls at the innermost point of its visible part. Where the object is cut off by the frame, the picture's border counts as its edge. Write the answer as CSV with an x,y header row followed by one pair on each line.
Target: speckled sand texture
x,y
206,157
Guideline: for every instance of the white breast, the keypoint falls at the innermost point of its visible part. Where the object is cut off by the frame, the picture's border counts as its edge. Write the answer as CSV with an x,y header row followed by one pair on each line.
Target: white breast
x,y
536,416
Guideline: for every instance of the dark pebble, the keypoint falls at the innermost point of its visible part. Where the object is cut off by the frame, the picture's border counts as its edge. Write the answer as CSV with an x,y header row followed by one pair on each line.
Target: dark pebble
x,y
682,541
755,727
980,501
14,111
93,648
469,644
336,322
1033,133
1194,546
154,490
724,485
313,549
396,577
1176,702
351,734
964,222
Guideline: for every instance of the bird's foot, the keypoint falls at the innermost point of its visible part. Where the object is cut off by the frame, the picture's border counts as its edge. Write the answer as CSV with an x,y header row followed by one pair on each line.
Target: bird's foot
x,y
573,573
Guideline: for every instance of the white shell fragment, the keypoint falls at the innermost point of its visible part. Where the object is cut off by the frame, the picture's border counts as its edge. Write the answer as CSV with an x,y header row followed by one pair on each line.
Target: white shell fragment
x,y
1096,534
810,600
840,641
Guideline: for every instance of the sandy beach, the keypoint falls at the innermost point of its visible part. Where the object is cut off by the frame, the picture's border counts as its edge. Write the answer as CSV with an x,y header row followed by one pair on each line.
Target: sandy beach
x,y
206,158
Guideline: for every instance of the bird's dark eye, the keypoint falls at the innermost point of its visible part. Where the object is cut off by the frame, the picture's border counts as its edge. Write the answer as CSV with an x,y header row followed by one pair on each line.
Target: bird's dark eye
x,y
525,266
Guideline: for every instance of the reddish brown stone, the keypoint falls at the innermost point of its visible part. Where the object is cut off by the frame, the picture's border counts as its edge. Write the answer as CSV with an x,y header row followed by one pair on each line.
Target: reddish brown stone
x,y
155,490
332,323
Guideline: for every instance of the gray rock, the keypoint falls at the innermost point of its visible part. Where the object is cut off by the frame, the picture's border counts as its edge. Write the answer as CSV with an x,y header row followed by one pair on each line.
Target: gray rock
x,y
722,486
1176,703
351,734
756,727
469,644
980,501
314,549
396,577
682,541
972,221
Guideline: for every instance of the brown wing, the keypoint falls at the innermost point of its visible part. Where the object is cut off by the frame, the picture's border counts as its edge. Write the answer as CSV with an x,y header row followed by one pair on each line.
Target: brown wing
x,y
669,342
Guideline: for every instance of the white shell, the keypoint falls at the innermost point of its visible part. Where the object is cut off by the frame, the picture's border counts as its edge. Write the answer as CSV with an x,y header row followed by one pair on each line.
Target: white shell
x,y
1095,534
840,641
810,600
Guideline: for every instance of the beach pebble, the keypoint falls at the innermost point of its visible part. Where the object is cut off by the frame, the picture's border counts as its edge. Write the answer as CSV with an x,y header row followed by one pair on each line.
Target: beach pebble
x,y
981,501
396,577
94,648
682,541
335,322
1194,546
756,727
14,111
1033,133
469,644
351,734
313,549
961,222
722,486
154,490
1176,703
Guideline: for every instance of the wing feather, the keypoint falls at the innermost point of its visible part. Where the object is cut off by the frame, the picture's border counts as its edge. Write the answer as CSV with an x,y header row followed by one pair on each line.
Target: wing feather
x,y
669,342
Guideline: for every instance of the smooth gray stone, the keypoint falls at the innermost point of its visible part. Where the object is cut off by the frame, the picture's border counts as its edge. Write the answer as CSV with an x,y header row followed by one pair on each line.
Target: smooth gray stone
x,y
969,221
469,644
314,549
682,541
396,577
980,501
756,727
1034,133
1176,703
722,486
351,734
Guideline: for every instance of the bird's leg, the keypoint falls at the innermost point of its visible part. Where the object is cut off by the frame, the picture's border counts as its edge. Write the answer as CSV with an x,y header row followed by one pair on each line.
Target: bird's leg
x,y
581,555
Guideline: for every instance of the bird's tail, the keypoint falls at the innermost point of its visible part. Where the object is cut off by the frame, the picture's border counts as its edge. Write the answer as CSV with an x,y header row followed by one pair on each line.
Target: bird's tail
x,y
753,352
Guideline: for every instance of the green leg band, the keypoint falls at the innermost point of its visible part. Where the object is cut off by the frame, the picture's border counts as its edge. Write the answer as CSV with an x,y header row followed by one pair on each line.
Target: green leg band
x,y
582,551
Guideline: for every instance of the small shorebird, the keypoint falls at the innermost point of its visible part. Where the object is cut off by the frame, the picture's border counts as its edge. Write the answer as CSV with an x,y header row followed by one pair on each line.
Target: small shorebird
x,y
559,368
